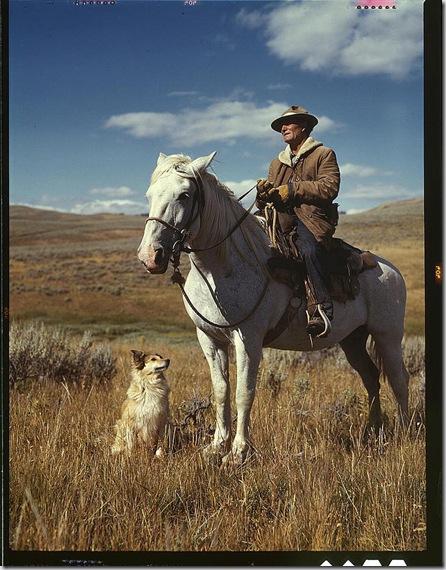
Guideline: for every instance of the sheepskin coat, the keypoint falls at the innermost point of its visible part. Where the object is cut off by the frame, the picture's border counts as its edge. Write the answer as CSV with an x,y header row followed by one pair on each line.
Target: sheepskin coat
x,y
313,180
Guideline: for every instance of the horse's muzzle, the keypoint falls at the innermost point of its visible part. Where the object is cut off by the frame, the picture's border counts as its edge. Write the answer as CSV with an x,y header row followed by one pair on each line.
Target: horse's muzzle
x,y
154,259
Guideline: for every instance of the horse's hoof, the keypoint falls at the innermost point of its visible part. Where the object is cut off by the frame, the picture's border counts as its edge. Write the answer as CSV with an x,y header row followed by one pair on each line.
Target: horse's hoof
x,y
212,455
160,453
234,459
231,460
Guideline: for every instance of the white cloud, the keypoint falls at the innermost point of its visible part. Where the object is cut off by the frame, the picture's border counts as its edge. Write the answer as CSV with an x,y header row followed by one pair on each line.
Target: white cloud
x,y
378,191
113,191
110,207
220,121
142,125
239,188
251,20
355,210
349,169
37,206
95,207
336,37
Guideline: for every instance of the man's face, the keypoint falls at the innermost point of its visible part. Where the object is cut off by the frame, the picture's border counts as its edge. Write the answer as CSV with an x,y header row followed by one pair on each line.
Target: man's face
x,y
293,132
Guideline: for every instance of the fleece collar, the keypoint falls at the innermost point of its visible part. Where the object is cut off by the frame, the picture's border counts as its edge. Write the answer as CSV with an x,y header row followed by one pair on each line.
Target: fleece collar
x,y
309,145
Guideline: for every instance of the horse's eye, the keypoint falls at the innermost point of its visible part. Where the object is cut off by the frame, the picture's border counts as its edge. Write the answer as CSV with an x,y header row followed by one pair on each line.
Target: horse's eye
x,y
184,196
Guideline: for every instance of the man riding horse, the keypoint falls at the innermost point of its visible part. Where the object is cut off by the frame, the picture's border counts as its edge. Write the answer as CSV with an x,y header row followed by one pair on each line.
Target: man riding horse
x,y
302,183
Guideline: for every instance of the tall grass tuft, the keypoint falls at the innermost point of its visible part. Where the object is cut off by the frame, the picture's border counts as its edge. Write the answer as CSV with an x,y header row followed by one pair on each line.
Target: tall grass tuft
x,y
42,353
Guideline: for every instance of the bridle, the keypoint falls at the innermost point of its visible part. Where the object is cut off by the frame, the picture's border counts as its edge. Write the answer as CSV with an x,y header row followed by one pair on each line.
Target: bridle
x,y
198,198
179,247
183,233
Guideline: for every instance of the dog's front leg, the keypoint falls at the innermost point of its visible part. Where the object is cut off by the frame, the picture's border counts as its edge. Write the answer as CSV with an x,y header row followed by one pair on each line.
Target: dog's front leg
x,y
248,354
149,437
217,357
163,445
124,437
157,441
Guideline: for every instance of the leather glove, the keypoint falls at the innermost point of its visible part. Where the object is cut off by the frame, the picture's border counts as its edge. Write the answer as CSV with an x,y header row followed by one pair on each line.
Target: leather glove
x,y
279,196
263,186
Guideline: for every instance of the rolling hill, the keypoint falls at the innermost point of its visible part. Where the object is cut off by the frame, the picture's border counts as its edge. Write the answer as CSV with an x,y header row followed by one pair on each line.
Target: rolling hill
x,y
82,271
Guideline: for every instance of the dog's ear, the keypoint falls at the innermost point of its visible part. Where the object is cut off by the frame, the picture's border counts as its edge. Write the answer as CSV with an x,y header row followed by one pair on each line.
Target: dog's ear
x,y
138,359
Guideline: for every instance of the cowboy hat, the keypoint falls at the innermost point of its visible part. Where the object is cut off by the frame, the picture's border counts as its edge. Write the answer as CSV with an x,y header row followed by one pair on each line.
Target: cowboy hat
x,y
294,112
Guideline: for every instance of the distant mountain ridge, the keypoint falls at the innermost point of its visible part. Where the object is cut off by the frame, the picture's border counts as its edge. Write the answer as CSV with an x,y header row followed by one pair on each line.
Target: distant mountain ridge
x,y
412,206
388,221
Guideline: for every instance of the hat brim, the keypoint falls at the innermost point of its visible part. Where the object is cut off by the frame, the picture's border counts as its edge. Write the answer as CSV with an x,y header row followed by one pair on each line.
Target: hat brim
x,y
277,124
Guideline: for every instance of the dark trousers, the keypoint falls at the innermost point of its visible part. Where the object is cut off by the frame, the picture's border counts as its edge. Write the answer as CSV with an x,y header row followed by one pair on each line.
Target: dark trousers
x,y
312,252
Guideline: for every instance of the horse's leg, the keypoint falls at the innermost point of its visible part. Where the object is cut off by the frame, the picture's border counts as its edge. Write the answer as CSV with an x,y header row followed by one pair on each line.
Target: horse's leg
x,y
390,352
248,355
354,347
217,357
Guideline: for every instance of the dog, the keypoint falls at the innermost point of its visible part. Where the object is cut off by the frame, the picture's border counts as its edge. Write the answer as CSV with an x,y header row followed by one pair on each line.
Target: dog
x,y
145,412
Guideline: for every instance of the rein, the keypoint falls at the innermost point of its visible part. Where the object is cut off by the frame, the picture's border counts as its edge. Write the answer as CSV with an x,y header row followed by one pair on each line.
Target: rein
x,y
238,224
179,246
184,232
179,279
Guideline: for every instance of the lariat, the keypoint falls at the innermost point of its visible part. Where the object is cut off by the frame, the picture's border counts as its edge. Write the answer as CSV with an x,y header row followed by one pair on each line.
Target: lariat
x,y
178,279
283,244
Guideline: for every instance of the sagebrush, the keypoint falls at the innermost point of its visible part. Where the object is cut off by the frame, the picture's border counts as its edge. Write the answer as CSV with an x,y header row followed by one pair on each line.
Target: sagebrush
x,y
38,352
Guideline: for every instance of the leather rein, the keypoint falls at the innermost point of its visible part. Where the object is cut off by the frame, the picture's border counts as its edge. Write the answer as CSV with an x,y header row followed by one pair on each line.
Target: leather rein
x,y
179,247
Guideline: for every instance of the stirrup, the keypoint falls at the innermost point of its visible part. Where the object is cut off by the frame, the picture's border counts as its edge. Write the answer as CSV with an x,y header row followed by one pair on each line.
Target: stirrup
x,y
325,320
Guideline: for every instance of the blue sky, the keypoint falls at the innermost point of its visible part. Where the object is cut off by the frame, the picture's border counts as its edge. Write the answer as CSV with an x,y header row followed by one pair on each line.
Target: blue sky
x,y
97,91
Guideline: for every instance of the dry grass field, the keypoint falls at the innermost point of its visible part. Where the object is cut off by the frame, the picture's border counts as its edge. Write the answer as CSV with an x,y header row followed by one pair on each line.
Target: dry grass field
x,y
315,481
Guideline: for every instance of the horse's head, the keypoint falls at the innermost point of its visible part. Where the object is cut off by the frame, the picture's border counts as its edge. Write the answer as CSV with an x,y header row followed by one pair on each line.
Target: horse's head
x,y
176,201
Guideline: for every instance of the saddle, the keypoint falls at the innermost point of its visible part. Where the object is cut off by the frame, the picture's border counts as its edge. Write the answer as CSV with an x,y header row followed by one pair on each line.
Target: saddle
x,y
342,266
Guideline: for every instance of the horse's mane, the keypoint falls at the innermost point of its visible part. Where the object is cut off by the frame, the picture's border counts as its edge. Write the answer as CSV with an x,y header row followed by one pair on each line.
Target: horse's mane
x,y
221,209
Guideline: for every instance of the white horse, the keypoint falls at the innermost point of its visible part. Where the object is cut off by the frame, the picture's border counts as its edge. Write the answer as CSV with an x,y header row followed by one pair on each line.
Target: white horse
x,y
232,299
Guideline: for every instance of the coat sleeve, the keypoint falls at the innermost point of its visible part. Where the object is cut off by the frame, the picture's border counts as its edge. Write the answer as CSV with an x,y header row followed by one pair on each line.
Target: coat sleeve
x,y
323,189
271,171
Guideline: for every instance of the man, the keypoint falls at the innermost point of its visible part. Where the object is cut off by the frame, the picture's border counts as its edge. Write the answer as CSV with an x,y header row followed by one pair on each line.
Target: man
x,y
302,183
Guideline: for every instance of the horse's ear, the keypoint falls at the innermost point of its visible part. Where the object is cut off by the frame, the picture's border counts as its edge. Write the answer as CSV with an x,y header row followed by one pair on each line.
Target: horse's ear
x,y
203,162
161,158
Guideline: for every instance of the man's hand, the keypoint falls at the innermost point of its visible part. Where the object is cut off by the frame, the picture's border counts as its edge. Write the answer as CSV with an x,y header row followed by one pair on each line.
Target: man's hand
x,y
263,186
279,196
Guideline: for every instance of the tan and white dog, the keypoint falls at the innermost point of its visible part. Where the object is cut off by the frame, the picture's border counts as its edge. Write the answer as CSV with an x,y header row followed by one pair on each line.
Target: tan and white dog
x,y
146,410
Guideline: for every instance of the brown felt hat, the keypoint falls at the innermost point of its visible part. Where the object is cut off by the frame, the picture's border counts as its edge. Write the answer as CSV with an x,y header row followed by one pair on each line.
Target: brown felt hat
x,y
294,112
